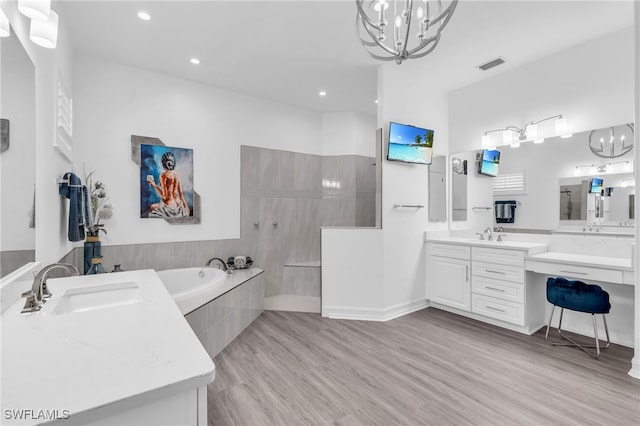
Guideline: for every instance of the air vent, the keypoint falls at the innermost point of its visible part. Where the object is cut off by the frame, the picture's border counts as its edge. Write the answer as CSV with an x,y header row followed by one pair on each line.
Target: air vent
x,y
493,63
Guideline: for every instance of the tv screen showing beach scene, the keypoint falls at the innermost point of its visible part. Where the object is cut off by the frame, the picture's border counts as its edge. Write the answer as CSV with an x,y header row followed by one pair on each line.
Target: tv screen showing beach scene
x,y
410,144
489,163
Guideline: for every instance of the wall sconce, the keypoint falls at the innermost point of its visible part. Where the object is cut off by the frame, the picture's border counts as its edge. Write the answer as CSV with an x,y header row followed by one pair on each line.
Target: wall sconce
x,y
44,22
529,132
5,28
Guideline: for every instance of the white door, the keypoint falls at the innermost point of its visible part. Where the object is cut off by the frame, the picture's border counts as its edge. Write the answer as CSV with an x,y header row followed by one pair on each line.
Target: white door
x,y
449,282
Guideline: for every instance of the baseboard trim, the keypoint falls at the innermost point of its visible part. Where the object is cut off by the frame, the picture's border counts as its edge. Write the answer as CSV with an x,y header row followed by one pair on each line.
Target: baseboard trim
x,y
374,314
635,367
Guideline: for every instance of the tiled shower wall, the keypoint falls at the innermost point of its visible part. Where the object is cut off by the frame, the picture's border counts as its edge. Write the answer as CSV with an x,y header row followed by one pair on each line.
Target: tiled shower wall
x,y
286,197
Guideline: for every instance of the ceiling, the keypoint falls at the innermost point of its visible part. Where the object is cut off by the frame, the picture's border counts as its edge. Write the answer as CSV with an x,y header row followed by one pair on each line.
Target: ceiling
x,y
288,51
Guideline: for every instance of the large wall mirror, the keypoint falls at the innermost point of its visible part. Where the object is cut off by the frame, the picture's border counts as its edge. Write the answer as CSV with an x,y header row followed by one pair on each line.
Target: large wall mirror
x,y
555,172
17,109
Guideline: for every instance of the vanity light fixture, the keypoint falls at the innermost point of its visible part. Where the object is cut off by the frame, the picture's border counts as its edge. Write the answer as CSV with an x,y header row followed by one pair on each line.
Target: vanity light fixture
x,y
5,28
417,21
45,33
37,10
513,136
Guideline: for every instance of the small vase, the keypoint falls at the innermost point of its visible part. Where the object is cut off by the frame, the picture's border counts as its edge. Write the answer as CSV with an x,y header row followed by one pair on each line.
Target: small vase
x,y
96,266
92,248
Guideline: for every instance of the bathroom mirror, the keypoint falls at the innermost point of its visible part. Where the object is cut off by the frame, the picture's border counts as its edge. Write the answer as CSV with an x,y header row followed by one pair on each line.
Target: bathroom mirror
x,y
611,206
542,165
17,107
438,189
458,188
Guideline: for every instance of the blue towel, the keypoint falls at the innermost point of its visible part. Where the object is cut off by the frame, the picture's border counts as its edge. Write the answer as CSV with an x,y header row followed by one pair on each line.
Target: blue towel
x,y
71,188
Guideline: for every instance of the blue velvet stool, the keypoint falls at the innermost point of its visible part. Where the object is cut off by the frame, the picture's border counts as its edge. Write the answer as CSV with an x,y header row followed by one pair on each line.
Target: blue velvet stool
x,y
581,297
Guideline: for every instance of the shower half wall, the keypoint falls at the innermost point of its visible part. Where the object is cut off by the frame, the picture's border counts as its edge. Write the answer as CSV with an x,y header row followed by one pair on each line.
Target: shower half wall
x,y
286,198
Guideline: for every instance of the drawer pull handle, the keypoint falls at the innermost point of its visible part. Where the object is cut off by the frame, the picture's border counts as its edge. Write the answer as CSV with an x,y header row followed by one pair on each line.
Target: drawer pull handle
x,y
495,272
495,289
574,272
495,309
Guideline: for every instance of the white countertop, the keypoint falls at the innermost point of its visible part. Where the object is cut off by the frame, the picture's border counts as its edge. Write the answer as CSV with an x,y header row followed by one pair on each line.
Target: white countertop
x,y
94,361
506,244
584,260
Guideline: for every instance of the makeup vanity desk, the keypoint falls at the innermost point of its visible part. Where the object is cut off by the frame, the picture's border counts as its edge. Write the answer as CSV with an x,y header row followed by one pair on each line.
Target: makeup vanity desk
x,y
583,267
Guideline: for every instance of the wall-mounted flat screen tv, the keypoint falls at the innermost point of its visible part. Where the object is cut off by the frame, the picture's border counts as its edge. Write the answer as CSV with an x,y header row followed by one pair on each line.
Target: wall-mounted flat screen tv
x,y
488,164
410,144
596,185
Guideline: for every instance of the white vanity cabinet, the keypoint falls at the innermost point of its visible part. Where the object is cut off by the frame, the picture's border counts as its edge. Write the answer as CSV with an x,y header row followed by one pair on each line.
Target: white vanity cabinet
x,y
498,289
486,281
449,275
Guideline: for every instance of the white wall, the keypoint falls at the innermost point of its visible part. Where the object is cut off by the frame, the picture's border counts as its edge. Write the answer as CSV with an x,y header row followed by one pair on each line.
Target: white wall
x,y
589,92
348,133
51,224
114,101
591,85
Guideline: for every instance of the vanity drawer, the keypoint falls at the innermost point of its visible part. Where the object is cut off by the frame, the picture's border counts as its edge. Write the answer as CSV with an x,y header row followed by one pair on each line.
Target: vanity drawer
x,y
501,256
583,273
498,289
449,250
497,308
495,271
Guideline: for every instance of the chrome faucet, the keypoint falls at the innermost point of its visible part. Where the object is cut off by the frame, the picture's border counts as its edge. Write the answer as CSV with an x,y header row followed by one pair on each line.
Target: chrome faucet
x,y
39,292
219,262
490,233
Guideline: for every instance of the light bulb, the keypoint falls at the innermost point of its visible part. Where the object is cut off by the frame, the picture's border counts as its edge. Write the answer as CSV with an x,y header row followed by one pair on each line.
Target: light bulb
x,y
419,12
380,5
398,21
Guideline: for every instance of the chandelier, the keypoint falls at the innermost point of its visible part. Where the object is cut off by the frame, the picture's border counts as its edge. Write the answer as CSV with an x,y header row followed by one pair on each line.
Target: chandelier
x,y
414,31
528,132
611,142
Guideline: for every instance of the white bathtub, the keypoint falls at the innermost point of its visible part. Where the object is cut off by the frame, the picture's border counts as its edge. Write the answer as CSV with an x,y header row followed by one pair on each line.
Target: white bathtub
x,y
193,287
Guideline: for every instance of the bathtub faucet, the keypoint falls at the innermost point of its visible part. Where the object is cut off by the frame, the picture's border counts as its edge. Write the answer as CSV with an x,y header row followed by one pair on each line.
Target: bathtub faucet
x,y
220,262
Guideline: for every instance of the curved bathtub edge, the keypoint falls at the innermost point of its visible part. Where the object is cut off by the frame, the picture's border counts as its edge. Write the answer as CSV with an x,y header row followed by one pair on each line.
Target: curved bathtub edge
x,y
232,281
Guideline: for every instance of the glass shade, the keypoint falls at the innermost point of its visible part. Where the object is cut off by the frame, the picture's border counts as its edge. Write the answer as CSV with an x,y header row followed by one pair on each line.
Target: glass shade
x,y
5,28
38,10
487,143
507,136
561,126
532,131
45,33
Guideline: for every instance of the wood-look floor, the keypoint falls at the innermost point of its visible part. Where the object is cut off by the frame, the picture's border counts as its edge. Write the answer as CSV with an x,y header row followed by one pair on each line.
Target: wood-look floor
x,y
427,368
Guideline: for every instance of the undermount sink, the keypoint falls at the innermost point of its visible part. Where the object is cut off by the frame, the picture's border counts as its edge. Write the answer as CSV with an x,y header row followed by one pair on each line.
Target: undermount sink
x,y
98,297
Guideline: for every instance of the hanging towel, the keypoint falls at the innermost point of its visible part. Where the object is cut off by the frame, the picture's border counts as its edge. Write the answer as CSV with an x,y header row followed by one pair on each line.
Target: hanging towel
x,y
505,211
71,188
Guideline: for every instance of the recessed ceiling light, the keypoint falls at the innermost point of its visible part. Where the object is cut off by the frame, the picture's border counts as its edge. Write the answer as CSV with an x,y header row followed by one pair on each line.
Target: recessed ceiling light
x,y
195,61
375,102
322,93
144,16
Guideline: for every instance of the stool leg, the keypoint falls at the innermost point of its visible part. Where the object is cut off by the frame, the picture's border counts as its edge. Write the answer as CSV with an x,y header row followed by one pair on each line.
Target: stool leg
x,y
595,333
606,330
546,335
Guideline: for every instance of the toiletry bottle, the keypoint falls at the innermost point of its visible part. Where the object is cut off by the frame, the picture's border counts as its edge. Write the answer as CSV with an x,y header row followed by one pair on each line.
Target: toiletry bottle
x,y
117,268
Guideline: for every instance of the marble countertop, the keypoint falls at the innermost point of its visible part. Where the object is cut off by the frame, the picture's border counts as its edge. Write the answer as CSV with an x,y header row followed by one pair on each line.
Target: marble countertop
x,y
506,244
603,262
97,361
